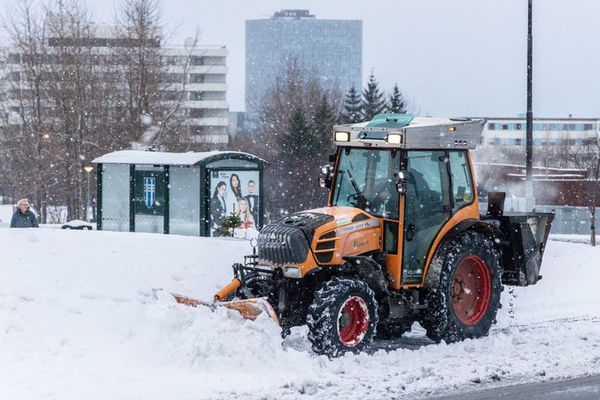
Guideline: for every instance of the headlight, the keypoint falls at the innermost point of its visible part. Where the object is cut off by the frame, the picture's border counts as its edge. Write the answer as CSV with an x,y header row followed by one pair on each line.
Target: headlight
x,y
341,136
394,138
292,271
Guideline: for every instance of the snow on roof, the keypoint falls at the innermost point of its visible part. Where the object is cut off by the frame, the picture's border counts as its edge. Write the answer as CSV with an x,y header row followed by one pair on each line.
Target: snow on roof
x,y
163,158
422,121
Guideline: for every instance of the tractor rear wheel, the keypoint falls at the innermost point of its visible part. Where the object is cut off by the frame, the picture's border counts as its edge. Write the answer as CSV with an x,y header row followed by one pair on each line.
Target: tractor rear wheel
x,y
342,317
463,289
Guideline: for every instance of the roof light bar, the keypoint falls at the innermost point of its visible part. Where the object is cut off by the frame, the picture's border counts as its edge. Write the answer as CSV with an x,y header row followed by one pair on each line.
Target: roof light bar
x,y
394,138
341,136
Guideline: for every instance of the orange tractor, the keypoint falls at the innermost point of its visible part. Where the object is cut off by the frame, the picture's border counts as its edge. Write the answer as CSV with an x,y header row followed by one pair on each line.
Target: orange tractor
x,y
401,240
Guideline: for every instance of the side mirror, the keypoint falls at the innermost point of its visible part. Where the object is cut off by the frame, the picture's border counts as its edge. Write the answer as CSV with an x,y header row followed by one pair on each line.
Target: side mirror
x,y
401,183
326,176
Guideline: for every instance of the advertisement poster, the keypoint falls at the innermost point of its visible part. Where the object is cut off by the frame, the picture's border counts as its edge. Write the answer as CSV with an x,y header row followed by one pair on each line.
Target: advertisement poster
x,y
235,191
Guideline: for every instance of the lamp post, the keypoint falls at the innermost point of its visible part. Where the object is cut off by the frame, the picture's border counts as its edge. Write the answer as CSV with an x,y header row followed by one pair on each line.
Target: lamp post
x,y
88,170
529,199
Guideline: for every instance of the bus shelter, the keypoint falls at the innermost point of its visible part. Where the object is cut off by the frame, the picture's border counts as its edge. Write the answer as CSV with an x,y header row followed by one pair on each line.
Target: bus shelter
x,y
178,193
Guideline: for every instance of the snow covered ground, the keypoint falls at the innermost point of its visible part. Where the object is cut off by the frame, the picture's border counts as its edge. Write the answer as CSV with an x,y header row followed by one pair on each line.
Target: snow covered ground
x,y
79,320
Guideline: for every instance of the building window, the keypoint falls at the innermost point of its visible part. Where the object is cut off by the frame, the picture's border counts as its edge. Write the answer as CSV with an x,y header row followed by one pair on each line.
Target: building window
x,y
197,96
171,78
505,127
519,127
196,78
518,142
491,126
588,127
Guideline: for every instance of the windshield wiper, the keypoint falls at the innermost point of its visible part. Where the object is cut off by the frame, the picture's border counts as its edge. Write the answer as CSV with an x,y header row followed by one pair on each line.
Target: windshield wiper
x,y
362,200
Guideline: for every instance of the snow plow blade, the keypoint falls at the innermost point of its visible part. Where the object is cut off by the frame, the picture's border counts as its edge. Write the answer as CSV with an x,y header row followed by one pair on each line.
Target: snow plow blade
x,y
249,308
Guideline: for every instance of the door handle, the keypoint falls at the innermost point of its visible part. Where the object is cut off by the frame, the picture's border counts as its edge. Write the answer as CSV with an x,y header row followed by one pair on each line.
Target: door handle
x,y
410,232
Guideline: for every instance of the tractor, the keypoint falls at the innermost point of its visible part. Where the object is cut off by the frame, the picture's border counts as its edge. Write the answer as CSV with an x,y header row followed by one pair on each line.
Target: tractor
x,y
401,240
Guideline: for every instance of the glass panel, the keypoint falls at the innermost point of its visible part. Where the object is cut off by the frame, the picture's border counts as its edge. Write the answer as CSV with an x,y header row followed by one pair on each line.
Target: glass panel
x,y
426,210
461,179
391,237
115,197
184,201
366,179
235,192
149,200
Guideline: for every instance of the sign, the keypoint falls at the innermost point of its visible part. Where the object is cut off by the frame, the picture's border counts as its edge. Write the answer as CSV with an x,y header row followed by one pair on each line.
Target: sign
x,y
149,191
237,192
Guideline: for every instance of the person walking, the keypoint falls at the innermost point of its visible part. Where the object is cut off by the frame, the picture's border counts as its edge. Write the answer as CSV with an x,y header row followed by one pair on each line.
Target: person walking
x,y
24,217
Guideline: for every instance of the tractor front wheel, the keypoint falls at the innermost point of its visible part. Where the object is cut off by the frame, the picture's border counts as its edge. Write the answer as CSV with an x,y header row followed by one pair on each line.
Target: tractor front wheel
x,y
463,289
342,317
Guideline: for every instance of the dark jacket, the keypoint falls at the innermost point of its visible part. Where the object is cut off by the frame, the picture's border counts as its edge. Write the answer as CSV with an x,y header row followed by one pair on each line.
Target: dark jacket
x,y
24,220
218,211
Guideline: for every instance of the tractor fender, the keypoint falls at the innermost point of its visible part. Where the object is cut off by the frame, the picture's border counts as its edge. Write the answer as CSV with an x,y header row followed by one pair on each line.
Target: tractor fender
x,y
371,273
489,228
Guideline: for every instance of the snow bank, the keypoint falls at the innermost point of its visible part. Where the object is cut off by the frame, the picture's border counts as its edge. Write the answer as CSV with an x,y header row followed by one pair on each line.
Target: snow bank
x,y
80,317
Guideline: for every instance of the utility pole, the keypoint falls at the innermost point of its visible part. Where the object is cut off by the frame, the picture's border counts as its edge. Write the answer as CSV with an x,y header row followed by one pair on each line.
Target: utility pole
x,y
529,199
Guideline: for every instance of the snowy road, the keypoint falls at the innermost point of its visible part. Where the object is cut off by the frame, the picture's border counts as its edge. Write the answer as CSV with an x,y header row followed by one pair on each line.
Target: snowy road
x,y
586,388
79,319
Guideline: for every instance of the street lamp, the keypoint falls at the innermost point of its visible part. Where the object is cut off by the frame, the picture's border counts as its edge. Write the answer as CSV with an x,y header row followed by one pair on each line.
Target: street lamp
x,y
88,169
529,199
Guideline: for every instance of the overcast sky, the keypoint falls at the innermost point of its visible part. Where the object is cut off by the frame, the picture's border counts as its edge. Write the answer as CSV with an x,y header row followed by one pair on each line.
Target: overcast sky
x,y
450,57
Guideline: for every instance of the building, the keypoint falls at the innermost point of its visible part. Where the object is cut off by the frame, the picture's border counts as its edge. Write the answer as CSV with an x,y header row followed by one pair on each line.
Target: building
x,y
204,81
559,184
330,48
194,75
546,131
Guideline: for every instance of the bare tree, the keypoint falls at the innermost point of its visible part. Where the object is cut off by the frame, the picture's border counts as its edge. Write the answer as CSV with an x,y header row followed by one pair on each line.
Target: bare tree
x,y
294,135
23,137
80,89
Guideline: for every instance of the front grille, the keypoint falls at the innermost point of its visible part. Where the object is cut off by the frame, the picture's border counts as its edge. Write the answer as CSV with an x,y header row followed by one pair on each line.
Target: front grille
x,y
281,245
287,241
326,256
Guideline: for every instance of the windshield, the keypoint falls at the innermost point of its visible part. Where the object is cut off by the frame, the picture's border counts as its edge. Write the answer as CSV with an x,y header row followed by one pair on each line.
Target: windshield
x,y
366,179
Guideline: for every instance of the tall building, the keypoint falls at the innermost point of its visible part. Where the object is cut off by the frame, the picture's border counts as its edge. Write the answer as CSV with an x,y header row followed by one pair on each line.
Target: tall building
x,y
330,48
196,76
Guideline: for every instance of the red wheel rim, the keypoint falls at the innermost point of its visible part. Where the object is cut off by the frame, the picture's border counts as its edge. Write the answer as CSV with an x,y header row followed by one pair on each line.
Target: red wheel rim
x,y
353,321
471,290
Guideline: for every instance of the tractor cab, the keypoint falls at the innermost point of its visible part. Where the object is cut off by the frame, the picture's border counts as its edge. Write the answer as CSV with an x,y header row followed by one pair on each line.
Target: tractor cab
x,y
413,181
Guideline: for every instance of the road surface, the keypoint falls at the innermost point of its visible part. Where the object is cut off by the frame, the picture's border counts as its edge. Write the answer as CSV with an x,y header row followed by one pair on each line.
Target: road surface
x,y
586,388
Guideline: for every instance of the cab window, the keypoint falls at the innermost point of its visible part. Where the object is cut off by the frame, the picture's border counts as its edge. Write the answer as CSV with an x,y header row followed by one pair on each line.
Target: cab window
x,y
462,187
366,179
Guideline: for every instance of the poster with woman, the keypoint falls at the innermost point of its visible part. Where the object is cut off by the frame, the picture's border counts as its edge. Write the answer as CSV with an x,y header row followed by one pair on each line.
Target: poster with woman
x,y
235,191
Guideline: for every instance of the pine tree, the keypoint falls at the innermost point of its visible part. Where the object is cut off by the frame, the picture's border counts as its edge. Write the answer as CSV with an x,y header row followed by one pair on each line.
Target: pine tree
x,y
373,101
323,121
299,141
228,224
396,104
352,112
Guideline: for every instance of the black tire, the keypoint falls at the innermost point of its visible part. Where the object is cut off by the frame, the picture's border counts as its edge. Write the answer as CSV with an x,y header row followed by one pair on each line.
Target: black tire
x,y
441,319
325,320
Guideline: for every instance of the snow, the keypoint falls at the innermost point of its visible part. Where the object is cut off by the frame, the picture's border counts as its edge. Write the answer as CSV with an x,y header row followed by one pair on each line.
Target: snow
x,y
82,315
160,158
